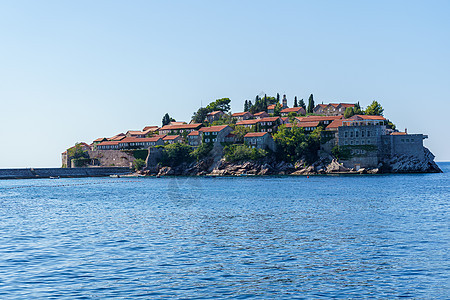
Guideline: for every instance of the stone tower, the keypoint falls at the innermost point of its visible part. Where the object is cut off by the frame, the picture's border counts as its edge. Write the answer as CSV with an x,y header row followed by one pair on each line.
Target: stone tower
x,y
284,102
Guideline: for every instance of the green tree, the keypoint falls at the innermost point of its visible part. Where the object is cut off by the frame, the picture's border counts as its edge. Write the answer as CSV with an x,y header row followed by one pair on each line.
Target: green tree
x,y
167,119
243,153
277,109
357,109
302,104
295,102
349,112
246,105
374,109
310,104
176,154
138,164
240,131
202,151
200,115
222,104
278,98
77,151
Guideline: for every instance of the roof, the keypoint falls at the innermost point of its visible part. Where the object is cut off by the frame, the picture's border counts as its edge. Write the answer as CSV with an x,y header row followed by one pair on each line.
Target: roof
x,y
117,137
260,113
109,143
177,123
247,122
342,104
309,124
318,118
292,109
335,124
272,106
171,137
215,113
135,132
182,126
399,133
238,114
150,128
255,134
193,133
268,119
322,105
140,140
366,117
100,139
213,128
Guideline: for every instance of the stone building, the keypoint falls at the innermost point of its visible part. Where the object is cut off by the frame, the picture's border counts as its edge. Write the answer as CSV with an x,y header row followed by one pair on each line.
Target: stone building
x,y
332,109
261,140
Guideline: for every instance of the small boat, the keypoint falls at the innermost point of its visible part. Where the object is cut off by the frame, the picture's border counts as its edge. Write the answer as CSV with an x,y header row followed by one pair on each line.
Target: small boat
x,y
114,176
55,177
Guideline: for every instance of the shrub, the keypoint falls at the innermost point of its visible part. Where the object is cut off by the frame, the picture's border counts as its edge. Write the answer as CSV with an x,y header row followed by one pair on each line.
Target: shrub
x,y
202,151
138,164
243,152
175,154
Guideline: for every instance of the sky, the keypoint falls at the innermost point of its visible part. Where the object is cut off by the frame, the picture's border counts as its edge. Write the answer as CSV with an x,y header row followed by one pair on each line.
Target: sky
x,y
73,71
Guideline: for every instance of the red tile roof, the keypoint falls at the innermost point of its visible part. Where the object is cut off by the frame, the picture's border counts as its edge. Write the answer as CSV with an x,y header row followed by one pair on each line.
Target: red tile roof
x,y
366,117
109,143
140,140
151,128
255,134
182,126
171,137
292,109
260,113
100,139
318,118
309,124
194,133
335,124
247,122
268,119
215,113
213,128
271,106
238,114
399,133
117,137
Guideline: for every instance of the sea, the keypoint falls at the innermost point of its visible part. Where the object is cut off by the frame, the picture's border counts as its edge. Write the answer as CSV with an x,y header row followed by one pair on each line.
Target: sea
x,y
286,237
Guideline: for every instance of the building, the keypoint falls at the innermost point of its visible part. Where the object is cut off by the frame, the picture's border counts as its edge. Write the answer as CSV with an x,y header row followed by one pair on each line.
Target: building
x,y
260,115
241,116
260,140
324,120
284,102
298,110
214,116
271,109
215,134
248,123
150,128
332,109
172,139
179,129
194,138
131,143
117,137
269,124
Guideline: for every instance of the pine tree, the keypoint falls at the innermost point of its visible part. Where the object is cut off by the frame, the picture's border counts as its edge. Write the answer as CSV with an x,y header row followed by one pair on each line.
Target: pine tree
x,y
166,119
246,105
302,104
295,102
311,104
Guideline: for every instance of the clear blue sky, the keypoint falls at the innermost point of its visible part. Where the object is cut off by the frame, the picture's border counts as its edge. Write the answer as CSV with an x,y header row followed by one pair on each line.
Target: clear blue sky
x,y
76,70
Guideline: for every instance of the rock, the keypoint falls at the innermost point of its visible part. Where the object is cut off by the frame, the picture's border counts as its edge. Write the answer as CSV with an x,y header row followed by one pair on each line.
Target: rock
x,y
335,166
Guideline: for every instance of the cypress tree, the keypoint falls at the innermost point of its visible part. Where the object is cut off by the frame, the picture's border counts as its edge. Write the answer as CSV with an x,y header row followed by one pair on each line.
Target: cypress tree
x,y
165,119
278,98
302,104
311,103
246,105
295,102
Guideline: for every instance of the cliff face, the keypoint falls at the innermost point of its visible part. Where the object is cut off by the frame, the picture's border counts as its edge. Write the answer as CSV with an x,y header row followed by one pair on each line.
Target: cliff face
x,y
411,164
215,165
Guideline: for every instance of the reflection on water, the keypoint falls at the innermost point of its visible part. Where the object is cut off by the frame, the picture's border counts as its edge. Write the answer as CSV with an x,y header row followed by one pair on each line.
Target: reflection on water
x,y
260,237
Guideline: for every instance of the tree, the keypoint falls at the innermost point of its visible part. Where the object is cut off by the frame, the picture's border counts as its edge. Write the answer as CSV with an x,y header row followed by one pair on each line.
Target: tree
x,y
240,131
277,109
222,104
278,98
349,112
357,109
167,119
311,104
200,115
374,109
302,104
295,102
138,164
246,105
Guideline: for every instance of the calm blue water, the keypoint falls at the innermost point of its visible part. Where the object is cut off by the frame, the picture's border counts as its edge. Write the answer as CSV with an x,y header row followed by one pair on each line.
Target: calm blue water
x,y
202,238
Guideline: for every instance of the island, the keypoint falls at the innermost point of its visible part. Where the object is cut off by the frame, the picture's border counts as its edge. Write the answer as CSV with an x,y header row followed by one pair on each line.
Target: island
x,y
267,138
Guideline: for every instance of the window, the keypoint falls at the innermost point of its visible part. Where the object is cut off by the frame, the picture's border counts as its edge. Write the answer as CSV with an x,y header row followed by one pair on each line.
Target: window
x,y
351,134
356,134
357,143
362,142
345,134
351,142
362,133
368,133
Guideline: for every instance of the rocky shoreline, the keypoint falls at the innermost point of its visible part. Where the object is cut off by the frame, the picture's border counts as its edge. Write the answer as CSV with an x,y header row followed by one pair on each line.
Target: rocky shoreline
x,y
217,166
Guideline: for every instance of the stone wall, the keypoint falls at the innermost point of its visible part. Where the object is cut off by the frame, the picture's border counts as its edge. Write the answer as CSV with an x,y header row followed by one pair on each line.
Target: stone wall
x,y
408,144
112,158
61,172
